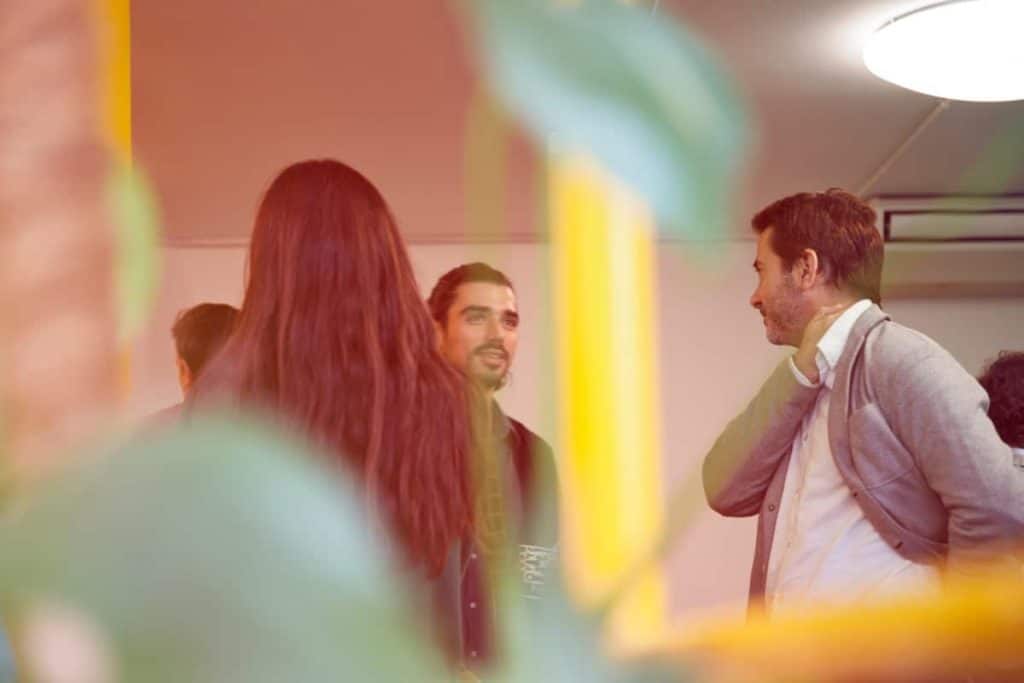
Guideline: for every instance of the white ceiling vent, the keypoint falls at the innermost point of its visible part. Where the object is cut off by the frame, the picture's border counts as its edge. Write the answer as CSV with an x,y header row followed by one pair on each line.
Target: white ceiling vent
x,y
952,246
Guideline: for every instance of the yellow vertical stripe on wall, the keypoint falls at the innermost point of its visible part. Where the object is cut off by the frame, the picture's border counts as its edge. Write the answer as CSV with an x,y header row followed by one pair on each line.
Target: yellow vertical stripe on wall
x,y
603,277
116,47
117,107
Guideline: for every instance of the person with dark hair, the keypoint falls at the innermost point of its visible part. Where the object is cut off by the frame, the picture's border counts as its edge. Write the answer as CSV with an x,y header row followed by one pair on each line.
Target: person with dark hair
x,y
334,340
867,454
477,321
474,310
1003,380
199,333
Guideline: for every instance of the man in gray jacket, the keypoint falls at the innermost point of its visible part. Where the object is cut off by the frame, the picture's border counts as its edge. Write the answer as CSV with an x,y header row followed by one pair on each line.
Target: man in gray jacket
x,y
868,453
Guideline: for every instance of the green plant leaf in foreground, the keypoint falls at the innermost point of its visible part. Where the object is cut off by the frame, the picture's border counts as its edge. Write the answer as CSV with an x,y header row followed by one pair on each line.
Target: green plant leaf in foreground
x,y
551,640
217,553
221,553
137,264
635,90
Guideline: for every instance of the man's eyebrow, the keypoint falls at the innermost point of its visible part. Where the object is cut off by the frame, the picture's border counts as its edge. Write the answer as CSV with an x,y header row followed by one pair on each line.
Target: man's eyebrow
x,y
475,309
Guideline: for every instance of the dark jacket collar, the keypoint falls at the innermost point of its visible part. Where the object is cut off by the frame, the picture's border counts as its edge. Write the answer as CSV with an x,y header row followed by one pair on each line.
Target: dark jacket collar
x,y
500,422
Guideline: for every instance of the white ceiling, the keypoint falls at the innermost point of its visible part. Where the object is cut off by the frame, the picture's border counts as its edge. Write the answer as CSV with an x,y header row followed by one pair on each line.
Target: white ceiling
x,y
226,93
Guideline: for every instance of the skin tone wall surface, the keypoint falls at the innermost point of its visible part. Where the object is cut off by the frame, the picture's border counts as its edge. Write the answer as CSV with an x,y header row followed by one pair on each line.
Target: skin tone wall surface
x,y
712,357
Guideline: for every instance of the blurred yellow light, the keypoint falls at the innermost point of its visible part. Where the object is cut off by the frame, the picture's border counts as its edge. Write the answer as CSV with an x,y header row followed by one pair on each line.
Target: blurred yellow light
x,y
603,268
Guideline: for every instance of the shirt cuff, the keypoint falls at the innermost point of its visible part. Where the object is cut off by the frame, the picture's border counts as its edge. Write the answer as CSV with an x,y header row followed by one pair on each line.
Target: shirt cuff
x,y
800,377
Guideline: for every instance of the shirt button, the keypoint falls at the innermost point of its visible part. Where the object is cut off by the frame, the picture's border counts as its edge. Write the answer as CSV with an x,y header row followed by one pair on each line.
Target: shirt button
x,y
472,556
473,654
472,605
771,507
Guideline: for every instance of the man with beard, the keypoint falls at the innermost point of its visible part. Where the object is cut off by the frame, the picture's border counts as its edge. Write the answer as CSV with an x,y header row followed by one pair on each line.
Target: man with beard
x,y
474,310
868,453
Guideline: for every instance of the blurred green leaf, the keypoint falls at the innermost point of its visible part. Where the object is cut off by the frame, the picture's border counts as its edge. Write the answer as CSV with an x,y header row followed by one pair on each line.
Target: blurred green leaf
x,y
219,553
137,262
6,662
551,640
632,88
485,152
222,552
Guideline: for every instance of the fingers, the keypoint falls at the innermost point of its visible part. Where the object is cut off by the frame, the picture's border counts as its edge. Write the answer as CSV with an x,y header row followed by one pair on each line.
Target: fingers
x,y
830,312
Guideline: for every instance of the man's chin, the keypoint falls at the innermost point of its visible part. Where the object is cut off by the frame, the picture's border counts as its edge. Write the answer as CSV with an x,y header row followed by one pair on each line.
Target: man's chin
x,y
489,381
774,337
487,375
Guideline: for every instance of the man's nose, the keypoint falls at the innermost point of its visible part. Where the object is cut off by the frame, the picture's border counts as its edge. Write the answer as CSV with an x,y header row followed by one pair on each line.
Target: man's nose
x,y
495,330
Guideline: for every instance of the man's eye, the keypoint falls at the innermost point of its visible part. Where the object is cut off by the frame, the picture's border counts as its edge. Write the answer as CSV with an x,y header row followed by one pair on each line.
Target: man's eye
x,y
476,318
511,323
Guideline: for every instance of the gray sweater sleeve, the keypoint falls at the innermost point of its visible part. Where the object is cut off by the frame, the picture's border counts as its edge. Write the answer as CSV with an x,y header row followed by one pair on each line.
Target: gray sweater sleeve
x,y
741,464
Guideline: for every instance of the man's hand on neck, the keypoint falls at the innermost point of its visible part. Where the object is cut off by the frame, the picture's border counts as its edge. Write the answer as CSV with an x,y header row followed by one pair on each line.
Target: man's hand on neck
x,y
806,355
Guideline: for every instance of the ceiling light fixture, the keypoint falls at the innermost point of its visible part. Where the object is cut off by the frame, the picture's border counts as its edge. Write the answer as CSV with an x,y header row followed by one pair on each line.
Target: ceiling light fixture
x,y
957,49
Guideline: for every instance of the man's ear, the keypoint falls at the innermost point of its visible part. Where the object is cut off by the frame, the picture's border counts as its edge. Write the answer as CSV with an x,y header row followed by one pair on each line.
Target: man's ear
x,y
185,377
438,334
806,269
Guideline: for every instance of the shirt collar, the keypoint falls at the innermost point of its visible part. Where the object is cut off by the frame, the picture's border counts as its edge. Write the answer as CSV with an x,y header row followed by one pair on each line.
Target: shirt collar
x,y
832,343
1018,456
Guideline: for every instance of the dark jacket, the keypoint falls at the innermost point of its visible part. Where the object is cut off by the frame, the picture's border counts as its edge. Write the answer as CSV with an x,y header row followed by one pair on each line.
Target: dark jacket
x,y
532,509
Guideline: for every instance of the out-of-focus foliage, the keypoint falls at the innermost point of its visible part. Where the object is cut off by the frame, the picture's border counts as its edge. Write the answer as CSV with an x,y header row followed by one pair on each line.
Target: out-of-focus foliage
x,y
633,88
6,661
550,640
222,552
137,263
218,553
485,156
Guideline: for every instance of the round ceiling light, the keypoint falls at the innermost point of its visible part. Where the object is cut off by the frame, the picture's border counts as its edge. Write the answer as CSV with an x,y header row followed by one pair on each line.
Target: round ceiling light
x,y
957,49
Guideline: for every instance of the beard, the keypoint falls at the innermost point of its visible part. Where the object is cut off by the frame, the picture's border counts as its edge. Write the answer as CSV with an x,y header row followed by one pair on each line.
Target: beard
x,y
492,382
490,378
784,314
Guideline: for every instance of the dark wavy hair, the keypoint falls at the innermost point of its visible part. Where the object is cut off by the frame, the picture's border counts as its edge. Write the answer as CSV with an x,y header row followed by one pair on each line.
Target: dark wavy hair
x,y
334,337
200,332
839,227
443,294
1003,379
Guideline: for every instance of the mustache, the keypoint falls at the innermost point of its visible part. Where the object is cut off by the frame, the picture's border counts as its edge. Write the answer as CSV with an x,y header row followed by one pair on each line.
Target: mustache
x,y
488,348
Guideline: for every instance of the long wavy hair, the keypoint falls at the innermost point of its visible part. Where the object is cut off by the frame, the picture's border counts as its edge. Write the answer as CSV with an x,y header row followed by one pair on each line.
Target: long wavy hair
x,y
334,337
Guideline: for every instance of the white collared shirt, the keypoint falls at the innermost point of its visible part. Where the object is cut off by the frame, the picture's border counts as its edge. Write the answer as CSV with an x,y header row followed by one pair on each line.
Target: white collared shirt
x,y
824,548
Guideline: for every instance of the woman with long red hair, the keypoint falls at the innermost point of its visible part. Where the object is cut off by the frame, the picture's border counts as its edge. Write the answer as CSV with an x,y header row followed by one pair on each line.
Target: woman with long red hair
x,y
333,336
